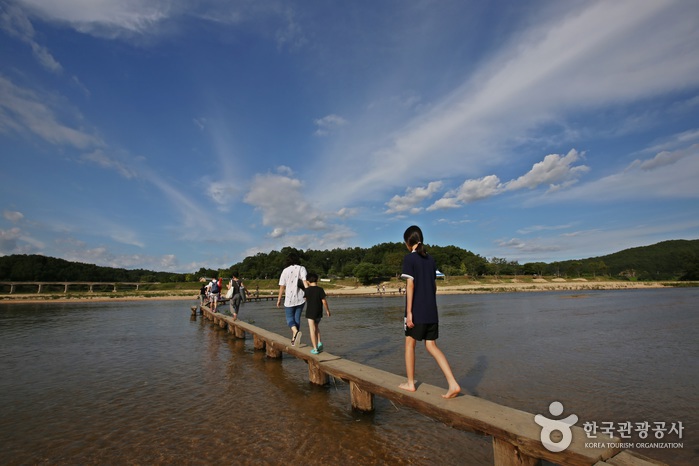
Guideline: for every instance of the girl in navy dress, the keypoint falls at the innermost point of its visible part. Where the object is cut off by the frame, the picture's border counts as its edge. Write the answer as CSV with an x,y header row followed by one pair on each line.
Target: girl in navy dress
x,y
421,320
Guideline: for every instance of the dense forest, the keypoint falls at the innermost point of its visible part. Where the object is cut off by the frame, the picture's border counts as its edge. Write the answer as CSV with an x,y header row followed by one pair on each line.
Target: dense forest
x,y
668,260
36,268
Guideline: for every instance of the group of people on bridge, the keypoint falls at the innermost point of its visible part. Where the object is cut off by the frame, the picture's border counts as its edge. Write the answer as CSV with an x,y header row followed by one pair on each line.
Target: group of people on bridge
x,y
210,294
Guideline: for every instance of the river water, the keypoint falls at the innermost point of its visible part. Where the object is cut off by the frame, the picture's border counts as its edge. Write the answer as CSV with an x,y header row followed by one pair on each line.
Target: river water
x,y
146,383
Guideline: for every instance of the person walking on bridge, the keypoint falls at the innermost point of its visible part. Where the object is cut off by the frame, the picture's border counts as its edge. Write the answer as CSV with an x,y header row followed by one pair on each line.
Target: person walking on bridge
x,y
292,276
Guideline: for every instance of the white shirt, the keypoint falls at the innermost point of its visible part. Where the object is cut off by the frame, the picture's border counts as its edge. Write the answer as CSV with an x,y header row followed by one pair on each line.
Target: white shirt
x,y
293,296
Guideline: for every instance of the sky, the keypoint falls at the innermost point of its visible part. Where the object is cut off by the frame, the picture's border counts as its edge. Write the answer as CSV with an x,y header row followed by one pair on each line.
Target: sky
x,y
171,135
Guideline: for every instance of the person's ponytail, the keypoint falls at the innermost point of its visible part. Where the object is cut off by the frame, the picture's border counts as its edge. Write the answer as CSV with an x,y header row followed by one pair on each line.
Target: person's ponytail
x,y
412,237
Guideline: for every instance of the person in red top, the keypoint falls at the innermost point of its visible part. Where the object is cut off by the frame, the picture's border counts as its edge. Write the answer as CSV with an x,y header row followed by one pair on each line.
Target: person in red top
x,y
421,318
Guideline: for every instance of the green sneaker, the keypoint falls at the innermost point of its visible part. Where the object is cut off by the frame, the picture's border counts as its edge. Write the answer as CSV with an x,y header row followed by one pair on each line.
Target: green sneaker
x,y
320,347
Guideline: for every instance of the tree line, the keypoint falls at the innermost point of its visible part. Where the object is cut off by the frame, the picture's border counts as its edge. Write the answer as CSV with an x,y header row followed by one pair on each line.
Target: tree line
x,y
668,260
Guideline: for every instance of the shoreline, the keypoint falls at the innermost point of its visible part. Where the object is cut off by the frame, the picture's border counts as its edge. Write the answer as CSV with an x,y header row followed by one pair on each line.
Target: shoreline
x,y
369,291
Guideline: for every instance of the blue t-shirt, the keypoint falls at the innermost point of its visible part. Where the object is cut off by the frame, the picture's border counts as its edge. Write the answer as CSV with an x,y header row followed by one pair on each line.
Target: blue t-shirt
x,y
423,271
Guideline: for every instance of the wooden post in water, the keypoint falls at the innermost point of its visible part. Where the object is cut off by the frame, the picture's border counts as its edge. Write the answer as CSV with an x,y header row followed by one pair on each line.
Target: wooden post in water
x,y
257,342
315,374
272,352
362,400
506,454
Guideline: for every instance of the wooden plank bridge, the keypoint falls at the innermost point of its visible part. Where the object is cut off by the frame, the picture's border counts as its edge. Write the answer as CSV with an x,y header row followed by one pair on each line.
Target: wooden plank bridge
x,y
91,285
516,437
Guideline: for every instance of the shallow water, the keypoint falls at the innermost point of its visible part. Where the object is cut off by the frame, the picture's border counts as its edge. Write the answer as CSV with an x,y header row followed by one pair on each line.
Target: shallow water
x,y
95,383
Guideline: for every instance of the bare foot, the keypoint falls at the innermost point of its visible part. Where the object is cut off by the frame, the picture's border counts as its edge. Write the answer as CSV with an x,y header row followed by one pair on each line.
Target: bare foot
x,y
453,391
407,386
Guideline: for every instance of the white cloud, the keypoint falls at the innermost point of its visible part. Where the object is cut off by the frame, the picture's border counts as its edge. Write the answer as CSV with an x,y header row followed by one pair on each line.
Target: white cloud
x,y
15,23
413,197
221,192
470,191
282,205
104,17
552,170
667,158
98,157
347,212
12,215
328,124
26,112
16,241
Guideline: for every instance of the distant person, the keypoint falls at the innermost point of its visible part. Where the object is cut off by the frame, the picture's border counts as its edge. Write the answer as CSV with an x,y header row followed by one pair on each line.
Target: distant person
x,y
214,294
243,291
203,299
236,297
293,275
315,301
421,321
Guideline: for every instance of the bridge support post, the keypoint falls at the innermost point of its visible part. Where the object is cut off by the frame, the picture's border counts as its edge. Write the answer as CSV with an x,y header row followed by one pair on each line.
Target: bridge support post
x,y
362,400
39,289
257,342
315,374
272,353
507,454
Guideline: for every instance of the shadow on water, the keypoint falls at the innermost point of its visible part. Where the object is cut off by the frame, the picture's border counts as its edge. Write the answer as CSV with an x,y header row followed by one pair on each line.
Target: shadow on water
x,y
474,376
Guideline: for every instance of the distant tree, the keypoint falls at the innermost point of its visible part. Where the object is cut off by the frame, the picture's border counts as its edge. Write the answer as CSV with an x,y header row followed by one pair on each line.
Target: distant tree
x,y
691,272
393,262
366,273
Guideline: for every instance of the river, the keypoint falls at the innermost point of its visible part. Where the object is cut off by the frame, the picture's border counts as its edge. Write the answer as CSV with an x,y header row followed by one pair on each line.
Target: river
x,y
144,383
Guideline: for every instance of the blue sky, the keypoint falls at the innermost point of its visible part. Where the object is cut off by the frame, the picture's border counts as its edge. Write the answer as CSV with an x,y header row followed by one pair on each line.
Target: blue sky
x,y
172,135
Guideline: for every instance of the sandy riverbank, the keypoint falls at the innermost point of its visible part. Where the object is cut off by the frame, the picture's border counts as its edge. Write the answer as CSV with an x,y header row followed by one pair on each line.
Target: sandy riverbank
x,y
442,288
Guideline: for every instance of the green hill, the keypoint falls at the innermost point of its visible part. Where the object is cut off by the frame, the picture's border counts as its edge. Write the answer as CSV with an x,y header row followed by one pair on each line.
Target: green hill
x,y
667,260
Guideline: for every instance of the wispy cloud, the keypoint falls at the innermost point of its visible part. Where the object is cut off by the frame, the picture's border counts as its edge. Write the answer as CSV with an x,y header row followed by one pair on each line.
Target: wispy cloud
x,y
32,114
12,215
100,158
328,124
544,77
670,174
14,22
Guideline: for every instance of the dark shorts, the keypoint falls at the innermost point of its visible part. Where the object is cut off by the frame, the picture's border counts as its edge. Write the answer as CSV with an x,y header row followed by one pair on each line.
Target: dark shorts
x,y
423,332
